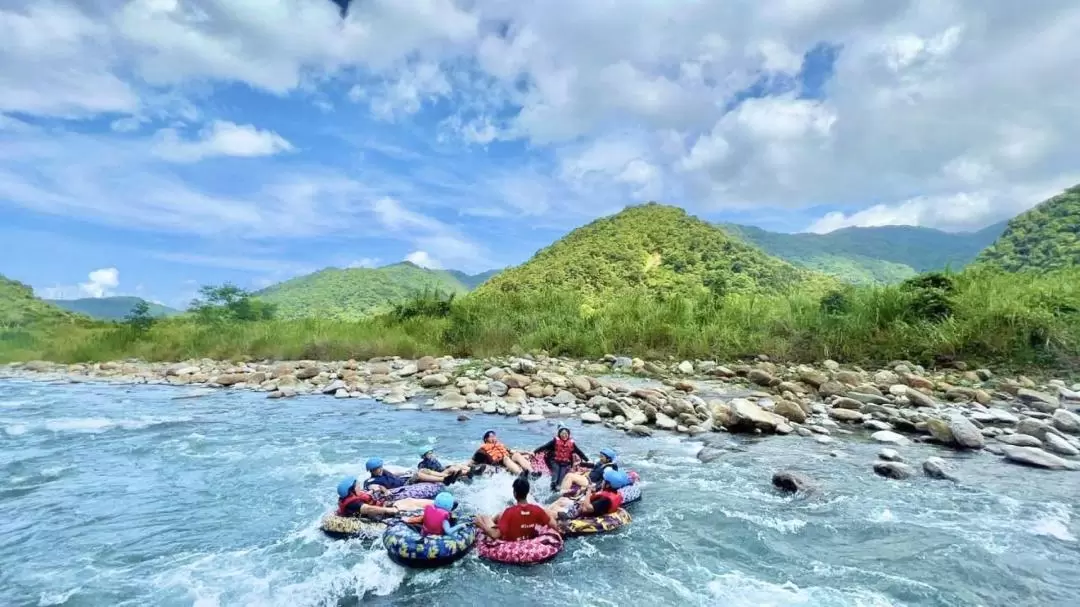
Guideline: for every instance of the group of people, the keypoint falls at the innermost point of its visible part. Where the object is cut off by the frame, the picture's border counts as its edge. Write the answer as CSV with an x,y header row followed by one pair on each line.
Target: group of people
x,y
586,488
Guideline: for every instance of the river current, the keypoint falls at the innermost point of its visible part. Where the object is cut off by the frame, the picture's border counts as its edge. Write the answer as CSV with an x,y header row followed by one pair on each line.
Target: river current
x,y
143,495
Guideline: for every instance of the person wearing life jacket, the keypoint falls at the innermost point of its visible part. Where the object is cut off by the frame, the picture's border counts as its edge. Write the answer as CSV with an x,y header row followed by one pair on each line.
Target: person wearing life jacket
x,y
560,452
438,518
494,453
520,521
355,502
381,477
594,503
449,474
575,482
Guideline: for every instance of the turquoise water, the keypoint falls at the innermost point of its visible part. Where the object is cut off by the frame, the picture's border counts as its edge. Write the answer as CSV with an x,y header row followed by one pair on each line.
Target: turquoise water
x,y
129,496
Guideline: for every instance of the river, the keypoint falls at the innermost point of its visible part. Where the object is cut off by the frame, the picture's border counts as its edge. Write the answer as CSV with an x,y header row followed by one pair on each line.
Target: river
x,y
114,495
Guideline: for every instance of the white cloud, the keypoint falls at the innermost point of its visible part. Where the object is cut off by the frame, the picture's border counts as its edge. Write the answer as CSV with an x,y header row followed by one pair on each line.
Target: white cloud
x,y
220,138
424,260
101,283
364,262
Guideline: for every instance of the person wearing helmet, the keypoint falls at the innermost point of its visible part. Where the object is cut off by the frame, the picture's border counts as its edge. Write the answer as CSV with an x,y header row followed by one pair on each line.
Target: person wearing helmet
x,y
381,477
575,482
361,503
429,463
560,452
594,503
518,522
494,453
438,517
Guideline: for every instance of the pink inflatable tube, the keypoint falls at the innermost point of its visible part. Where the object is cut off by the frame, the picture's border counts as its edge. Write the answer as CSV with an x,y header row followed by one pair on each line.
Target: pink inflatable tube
x,y
540,549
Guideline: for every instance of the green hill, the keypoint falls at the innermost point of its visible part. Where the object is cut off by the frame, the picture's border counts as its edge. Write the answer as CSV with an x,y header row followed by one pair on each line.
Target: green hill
x,y
885,254
1045,238
471,281
355,292
110,308
651,246
19,308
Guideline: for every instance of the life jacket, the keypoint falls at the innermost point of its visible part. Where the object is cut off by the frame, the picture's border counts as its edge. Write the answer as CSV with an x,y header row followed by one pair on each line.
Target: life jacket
x,y
564,450
362,497
616,499
433,520
496,451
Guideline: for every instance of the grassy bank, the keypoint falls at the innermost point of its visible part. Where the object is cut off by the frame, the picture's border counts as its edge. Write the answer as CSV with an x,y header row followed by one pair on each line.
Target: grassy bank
x,y
1016,320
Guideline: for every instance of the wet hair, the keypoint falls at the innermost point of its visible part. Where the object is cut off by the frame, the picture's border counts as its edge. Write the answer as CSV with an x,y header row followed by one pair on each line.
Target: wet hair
x,y
521,488
561,430
487,434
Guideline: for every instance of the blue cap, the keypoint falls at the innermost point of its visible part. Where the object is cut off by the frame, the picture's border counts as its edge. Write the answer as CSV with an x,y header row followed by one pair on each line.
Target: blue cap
x,y
345,486
609,453
373,464
444,501
616,478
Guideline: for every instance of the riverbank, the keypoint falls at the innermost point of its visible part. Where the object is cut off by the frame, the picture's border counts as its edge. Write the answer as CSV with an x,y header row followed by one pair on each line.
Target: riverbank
x,y
958,408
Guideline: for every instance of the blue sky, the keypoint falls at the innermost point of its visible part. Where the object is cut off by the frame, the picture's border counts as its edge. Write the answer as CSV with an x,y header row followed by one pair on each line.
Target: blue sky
x,y
150,146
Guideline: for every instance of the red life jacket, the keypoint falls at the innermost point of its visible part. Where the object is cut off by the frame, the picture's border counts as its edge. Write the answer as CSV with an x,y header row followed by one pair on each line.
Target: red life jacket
x,y
616,499
433,520
564,450
362,497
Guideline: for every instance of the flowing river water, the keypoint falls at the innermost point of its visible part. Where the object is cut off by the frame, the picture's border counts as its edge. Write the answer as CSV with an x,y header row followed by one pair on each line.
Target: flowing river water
x,y
113,495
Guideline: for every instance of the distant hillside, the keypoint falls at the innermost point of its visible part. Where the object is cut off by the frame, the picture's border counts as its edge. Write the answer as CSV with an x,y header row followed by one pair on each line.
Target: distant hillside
x,y
471,281
355,292
19,307
883,254
110,308
657,247
1045,238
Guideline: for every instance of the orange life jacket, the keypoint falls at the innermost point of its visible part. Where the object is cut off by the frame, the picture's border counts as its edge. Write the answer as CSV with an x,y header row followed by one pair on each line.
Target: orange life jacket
x,y
616,499
362,497
496,451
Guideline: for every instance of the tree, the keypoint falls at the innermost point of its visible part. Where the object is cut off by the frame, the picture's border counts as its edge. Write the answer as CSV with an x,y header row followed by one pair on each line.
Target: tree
x,y
140,318
229,303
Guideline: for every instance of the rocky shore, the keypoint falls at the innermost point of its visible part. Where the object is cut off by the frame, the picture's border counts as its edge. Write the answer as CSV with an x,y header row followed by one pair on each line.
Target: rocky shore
x,y
958,408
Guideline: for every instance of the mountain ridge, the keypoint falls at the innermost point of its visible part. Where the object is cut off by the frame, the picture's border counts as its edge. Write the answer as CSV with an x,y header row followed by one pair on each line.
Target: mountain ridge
x,y
1045,237
110,308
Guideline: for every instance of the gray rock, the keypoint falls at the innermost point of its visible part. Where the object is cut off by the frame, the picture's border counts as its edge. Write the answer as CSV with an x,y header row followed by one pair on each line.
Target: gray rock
x,y
498,388
1034,427
845,415
890,455
531,417
490,407
641,431
394,398
1067,421
889,437
450,401
1019,440
564,398
663,422
994,416
935,467
686,367
590,417
342,393
760,377
1031,456
333,386
893,470
919,399
408,370
790,410
1040,401
792,482
623,363
876,424
745,415
1059,445
1067,394
965,434
847,403
307,372
868,399
709,454
435,380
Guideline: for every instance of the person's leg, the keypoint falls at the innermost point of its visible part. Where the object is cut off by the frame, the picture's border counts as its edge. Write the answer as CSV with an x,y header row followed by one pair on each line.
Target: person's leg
x,y
487,525
522,461
573,481
411,504
428,476
558,473
511,466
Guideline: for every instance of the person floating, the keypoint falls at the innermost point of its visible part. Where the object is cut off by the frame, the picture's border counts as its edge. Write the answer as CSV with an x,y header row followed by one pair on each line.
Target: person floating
x,y
355,502
518,522
438,518
493,452
429,463
575,482
560,452
594,503
381,477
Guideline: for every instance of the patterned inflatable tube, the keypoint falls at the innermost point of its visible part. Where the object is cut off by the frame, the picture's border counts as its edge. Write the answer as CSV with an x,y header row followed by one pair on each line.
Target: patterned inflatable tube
x,y
420,491
540,549
630,494
595,524
351,527
407,547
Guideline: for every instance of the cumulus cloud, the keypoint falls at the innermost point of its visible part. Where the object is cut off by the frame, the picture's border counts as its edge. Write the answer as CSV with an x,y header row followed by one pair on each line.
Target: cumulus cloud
x,y
221,138
101,283
424,260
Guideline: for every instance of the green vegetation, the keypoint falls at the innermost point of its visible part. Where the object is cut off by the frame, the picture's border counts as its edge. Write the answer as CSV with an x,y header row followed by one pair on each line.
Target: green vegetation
x,y
653,247
229,304
19,308
877,255
354,293
1046,237
472,281
111,308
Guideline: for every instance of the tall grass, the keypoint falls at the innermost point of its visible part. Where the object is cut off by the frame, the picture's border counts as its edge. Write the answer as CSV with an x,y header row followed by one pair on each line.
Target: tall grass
x,y
1017,320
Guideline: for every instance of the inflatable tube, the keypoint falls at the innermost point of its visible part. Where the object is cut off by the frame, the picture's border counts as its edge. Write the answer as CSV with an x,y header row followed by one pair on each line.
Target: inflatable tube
x,y
540,549
595,524
351,527
407,547
539,464
630,494
419,491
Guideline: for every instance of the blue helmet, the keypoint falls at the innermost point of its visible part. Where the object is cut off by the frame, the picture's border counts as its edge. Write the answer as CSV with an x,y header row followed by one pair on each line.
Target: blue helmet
x,y
616,478
373,464
444,501
424,451
345,486
608,453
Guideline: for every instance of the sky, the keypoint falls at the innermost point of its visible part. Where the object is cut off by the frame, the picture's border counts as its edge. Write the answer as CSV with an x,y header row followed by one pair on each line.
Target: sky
x,y
151,146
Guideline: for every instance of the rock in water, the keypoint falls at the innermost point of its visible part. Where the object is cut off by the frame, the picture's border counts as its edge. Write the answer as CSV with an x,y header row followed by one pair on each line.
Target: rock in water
x,y
1031,456
1040,401
333,387
935,467
890,455
1067,421
965,434
434,380
792,482
939,429
890,437
893,470
1020,440
709,454
1059,445
590,417
791,411
845,415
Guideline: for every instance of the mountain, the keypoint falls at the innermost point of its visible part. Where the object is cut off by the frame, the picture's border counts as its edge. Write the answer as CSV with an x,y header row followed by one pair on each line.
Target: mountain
x,y
1045,238
356,292
110,308
884,254
654,246
471,281
19,307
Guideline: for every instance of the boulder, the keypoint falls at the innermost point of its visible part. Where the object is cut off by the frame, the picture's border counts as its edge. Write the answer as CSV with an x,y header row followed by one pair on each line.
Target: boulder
x,y
889,437
523,366
792,482
831,388
581,383
1032,456
342,393
1039,401
845,415
917,382
760,377
746,416
847,403
640,431
307,372
893,470
434,380
497,388
1019,440
1059,445
516,380
663,422
408,370
709,454
965,434
1067,421
876,425
515,395
1034,427
790,410
564,398
531,417
919,399
451,401
230,379
427,363
333,387
940,430
590,417
935,467
850,378
685,367
890,455
813,378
